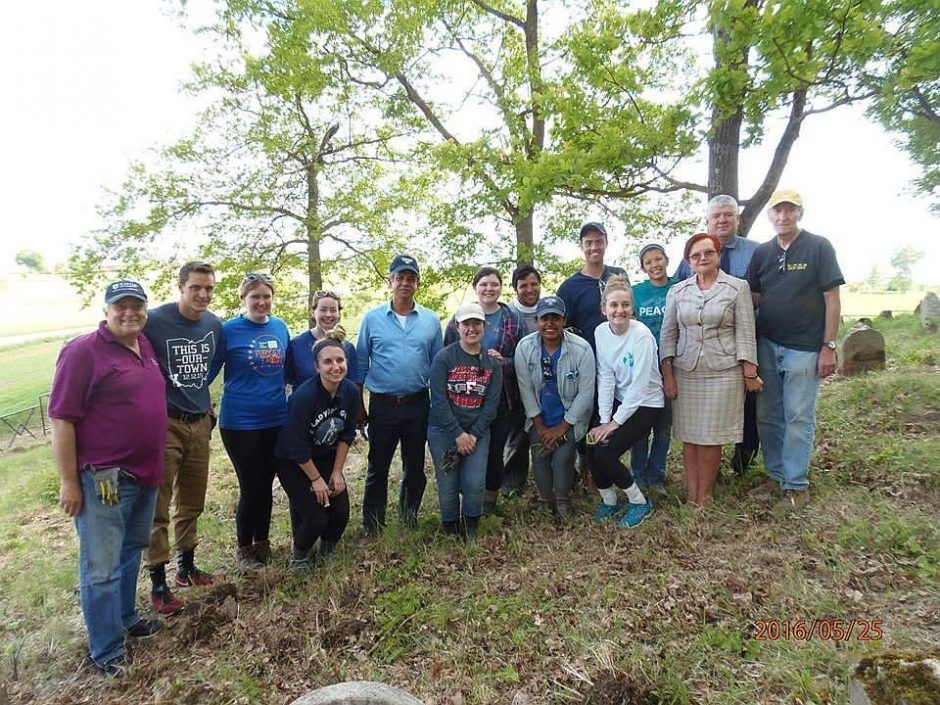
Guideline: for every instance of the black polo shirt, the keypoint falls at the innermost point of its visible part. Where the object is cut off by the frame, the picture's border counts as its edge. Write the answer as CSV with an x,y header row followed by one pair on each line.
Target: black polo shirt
x,y
791,283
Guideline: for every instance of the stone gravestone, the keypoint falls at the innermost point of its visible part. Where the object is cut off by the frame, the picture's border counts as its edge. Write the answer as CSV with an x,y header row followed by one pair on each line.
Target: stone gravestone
x,y
863,350
929,309
357,693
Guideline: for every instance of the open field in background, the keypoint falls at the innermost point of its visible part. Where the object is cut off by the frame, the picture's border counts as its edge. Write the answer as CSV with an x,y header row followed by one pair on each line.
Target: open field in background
x,y
534,612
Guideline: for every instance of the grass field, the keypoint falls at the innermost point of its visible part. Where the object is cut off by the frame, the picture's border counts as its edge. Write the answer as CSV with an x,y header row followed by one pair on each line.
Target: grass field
x,y
26,372
535,612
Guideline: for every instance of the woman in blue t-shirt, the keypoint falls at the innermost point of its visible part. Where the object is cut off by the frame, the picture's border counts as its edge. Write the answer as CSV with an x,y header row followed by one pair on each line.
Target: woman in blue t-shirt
x,y
320,427
254,406
300,364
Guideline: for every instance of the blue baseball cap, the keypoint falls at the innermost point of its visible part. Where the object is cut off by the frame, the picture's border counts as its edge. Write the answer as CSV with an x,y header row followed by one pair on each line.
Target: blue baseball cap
x,y
123,289
550,304
404,263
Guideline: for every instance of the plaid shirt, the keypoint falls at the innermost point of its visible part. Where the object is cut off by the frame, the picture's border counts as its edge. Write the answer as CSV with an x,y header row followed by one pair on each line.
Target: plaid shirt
x,y
511,331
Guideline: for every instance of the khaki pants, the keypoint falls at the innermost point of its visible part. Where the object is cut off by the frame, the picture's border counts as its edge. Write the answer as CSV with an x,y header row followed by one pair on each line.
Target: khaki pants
x,y
185,477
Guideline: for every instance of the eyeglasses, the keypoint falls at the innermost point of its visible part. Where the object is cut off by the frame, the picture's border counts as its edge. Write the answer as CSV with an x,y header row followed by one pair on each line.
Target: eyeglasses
x,y
258,277
548,374
704,254
782,263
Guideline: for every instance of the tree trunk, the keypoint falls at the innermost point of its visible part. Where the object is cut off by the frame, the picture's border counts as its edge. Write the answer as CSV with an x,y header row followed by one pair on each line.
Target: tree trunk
x,y
524,240
724,145
312,225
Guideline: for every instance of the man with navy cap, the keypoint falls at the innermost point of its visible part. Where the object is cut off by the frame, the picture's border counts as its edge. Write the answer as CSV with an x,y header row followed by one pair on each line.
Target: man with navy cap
x,y
397,342
108,411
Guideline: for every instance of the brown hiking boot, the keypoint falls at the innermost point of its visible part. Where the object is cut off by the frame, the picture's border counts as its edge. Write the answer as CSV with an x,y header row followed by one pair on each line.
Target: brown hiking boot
x,y
797,499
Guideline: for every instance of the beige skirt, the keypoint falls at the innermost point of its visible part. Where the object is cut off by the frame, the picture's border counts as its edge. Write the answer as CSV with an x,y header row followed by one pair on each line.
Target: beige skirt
x,y
710,407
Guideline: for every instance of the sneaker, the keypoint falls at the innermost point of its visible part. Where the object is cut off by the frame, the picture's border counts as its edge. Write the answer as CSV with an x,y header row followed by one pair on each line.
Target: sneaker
x,y
187,577
636,514
145,628
797,499
300,566
608,511
164,602
563,508
116,667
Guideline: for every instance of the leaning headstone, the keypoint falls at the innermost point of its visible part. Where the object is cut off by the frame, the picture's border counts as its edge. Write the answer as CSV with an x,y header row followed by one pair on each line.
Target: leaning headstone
x,y
929,309
903,678
886,314
357,693
863,350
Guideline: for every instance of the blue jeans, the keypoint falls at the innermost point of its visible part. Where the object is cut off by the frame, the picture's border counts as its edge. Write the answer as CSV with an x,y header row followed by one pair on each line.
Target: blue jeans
x,y
110,543
786,411
648,460
466,481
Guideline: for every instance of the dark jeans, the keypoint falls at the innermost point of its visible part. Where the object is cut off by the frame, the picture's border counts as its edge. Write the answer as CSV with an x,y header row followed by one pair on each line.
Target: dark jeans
x,y
502,425
389,424
252,456
516,471
604,459
310,519
746,450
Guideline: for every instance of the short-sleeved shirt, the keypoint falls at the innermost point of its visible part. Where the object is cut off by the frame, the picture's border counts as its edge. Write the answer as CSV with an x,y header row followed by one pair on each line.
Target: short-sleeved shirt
x,y
649,304
582,297
553,411
301,365
186,350
117,402
791,283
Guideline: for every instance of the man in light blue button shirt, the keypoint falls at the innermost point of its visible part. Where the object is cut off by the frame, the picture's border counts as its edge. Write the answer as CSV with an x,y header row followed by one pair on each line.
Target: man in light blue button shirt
x,y
396,344
736,252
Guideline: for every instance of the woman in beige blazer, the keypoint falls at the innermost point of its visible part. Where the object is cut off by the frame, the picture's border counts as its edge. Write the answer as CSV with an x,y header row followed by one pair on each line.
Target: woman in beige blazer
x,y
709,357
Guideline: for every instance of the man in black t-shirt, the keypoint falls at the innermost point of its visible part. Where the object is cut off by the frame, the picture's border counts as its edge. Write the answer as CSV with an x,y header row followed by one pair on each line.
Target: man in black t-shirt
x,y
795,281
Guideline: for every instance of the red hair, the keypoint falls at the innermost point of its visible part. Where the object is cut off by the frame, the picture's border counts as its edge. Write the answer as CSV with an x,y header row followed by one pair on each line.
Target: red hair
x,y
700,236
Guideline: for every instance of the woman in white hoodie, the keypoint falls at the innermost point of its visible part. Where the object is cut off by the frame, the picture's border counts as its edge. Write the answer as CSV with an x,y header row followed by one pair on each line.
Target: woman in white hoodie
x,y
629,399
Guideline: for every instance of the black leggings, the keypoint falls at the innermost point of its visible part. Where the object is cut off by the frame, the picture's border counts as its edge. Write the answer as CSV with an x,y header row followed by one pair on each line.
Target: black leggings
x,y
252,456
310,519
604,460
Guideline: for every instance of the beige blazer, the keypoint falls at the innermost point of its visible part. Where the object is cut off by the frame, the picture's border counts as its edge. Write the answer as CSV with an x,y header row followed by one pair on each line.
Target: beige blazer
x,y
713,327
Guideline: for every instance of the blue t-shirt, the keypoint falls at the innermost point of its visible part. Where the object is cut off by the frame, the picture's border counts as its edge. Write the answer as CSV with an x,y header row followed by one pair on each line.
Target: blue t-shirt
x,y
582,297
300,365
649,304
553,411
254,356
494,322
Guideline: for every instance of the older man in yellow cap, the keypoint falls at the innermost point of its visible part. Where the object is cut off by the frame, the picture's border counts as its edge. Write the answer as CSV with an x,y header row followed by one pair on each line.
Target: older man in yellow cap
x,y
795,280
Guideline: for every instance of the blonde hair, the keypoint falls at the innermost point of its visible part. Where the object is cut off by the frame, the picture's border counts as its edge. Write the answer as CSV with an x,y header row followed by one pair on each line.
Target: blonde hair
x,y
617,282
333,339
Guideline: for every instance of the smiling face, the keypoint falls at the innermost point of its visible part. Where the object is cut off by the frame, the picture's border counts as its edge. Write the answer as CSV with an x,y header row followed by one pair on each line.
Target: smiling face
x,y
654,266
471,331
404,285
528,290
703,258
258,302
196,294
551,327
488,290
618,307
723,222
331,365
126,317
326,312
594,246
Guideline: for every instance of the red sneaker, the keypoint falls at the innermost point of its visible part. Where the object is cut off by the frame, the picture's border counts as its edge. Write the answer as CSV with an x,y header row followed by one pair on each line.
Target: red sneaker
x,y
187,577
164,602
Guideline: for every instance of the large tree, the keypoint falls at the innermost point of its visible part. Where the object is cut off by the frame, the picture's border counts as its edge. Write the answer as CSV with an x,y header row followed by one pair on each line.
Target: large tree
x,y
503,99
282,173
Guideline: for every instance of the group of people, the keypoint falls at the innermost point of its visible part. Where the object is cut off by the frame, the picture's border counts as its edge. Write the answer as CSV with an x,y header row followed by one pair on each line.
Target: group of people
x,y
570,381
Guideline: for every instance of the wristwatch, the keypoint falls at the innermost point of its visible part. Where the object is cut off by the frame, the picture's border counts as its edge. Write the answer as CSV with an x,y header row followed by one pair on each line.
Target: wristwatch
x,y
831,344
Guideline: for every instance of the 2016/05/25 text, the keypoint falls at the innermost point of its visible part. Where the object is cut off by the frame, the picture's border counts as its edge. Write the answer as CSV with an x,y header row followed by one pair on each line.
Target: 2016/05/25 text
x,y
823,629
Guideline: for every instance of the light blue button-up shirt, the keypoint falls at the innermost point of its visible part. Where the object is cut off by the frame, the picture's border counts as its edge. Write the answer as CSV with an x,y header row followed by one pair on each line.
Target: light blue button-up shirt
x,y
395,359
740,250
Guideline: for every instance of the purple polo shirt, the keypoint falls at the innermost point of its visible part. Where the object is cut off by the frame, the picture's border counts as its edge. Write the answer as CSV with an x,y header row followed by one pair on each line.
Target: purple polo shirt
x,y
117,402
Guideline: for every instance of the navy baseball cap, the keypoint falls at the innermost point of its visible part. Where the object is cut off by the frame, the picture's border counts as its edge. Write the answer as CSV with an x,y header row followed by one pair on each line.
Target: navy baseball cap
x,y
550,304
404,263
123,289
595,227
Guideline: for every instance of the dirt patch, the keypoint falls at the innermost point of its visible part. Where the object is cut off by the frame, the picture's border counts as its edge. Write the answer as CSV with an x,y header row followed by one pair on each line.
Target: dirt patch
x,y
611,688
342,633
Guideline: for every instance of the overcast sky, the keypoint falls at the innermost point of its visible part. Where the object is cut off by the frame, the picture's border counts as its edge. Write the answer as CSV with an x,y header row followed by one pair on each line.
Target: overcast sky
x,y
88,86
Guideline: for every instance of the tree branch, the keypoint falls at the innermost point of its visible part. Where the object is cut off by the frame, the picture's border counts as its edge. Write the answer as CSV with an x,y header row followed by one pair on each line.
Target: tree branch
x,y
504,16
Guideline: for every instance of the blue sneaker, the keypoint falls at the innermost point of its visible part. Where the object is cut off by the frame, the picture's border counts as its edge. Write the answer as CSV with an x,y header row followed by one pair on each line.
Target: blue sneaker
x,y
608,511
636,514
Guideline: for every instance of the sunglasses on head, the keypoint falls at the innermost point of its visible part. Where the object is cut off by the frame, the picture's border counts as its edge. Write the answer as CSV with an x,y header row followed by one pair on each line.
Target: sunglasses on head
x,y
258,277
325,294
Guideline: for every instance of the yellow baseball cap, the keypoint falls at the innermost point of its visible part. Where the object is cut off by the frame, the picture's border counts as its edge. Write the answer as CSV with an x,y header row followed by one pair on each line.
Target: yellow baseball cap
x,y
785,196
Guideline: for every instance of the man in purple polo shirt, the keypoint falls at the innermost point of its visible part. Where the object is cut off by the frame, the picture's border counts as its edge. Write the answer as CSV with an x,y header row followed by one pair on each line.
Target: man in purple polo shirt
x,y
108,410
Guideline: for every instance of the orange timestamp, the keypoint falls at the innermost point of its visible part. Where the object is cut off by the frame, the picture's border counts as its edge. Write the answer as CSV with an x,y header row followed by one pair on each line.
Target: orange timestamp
x,y
829,629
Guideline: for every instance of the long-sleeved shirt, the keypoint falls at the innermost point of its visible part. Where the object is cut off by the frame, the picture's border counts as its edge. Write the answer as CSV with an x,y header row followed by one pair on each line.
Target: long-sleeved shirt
x,y
316,422
735,257
627,370
301,366
465,391
396,359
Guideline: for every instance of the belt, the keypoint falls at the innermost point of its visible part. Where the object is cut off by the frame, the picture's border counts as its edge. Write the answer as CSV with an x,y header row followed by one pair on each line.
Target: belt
x,y
184,417
401,400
